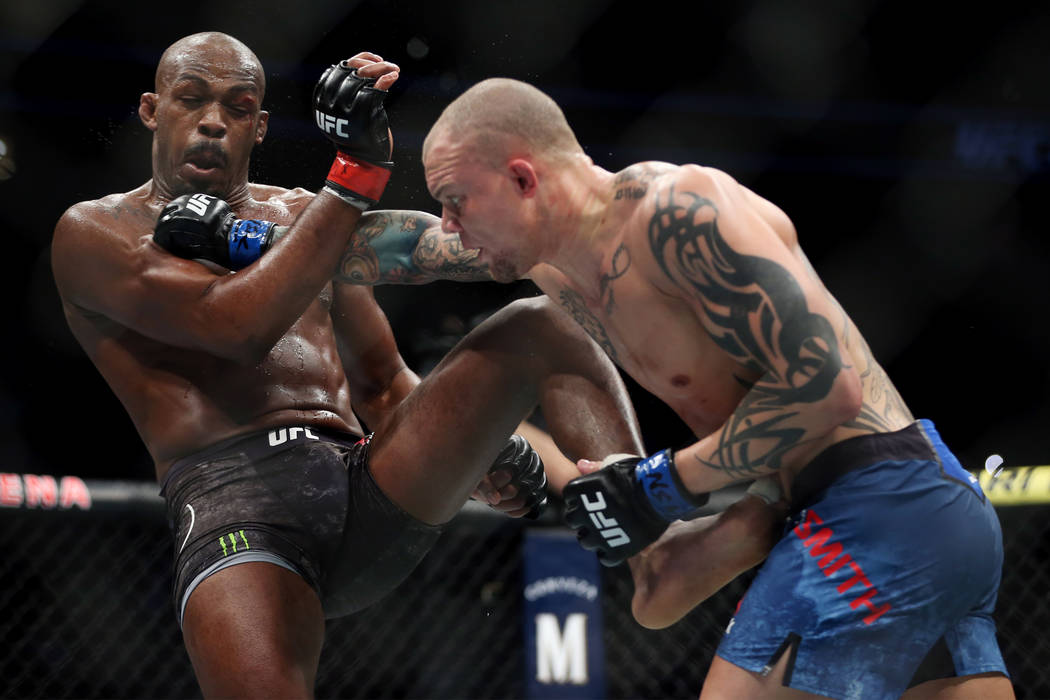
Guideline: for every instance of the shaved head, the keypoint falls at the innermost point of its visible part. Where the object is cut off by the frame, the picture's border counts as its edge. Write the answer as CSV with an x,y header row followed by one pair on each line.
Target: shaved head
x,y
206,116
500,115
213,49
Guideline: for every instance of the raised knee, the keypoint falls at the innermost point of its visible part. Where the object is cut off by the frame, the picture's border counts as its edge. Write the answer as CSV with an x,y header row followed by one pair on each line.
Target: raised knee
x,y
530,311
535,323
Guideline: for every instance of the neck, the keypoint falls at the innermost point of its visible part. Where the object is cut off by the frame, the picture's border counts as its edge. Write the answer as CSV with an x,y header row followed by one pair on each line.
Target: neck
x,y
579,239
162,192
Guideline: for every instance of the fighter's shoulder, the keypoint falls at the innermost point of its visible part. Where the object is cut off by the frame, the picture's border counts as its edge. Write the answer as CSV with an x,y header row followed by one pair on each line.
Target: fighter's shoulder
x,y
727,196
644,173
106,228
110,215
702,180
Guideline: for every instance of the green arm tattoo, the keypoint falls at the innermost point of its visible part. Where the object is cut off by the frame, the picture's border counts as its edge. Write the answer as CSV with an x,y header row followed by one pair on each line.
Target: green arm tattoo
x,y
405,247
756,311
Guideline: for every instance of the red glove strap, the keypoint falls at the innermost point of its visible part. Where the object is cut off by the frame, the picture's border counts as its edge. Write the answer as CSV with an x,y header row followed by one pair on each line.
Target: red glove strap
x,y
358,176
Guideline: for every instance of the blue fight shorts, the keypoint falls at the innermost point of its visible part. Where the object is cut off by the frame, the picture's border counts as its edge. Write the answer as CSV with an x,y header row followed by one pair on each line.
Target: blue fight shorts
x,y
891,549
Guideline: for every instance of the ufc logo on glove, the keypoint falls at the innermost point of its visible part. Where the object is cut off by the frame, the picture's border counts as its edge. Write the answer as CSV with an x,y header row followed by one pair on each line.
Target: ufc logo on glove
x,y
198,203
328,124
607,527
627,504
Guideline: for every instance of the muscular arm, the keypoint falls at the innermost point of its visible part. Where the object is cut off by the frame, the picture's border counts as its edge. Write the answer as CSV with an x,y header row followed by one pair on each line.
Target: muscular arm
x,y
397,247
102,268
559,468
378,376
695,559
404,247
758,305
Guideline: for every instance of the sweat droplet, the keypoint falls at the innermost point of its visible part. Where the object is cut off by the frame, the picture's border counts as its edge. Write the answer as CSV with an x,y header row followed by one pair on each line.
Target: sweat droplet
x,y
993,465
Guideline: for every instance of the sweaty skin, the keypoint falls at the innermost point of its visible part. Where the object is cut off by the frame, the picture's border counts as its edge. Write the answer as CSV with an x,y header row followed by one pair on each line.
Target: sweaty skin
x,y
649,261
697,288
646,290
184,393
198,354
692,560
170,336
762,391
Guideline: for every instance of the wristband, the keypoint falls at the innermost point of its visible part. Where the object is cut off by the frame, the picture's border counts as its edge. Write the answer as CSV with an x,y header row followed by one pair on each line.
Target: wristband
x,y
659,480
357,177
248,239
347,196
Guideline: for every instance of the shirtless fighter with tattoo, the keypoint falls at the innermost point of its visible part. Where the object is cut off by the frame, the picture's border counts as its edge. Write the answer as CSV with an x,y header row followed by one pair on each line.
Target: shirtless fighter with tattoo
x,y
252,390
697,287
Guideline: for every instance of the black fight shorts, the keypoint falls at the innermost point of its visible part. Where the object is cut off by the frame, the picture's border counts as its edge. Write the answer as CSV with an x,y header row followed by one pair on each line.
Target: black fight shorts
x,y
296,497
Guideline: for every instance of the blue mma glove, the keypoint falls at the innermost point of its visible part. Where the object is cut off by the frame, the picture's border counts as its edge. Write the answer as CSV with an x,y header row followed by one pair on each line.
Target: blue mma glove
x,y
202,226
624,507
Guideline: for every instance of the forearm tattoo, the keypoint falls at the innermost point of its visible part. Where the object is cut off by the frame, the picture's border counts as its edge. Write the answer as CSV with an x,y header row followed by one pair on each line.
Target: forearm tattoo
x,y
757,314
406,247
442,256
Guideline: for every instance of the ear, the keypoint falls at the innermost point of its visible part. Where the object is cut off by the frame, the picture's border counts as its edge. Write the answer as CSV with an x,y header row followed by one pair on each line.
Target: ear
x,y
525,179
148,110
260,129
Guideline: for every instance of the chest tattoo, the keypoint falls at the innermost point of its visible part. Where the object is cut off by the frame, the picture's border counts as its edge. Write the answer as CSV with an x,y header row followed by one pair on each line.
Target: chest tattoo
x,y
574,304
621,261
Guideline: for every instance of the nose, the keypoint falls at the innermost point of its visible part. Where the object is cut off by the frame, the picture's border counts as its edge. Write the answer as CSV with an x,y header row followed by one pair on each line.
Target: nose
x,y
449,223
211,123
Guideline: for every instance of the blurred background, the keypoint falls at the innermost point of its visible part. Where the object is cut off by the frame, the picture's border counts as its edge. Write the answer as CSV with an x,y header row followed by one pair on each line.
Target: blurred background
x,y
910,143
909,146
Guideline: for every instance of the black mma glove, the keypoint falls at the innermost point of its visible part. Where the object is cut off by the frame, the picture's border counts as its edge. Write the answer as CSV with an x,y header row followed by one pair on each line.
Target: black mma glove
x,y
624,507
349,110
526,473
202,226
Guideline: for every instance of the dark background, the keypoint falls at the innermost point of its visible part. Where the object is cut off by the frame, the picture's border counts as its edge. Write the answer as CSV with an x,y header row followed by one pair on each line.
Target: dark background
x,y
910,148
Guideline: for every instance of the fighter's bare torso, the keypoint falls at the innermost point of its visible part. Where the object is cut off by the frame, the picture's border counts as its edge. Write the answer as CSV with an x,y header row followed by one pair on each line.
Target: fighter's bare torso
x,y
646,324
181,399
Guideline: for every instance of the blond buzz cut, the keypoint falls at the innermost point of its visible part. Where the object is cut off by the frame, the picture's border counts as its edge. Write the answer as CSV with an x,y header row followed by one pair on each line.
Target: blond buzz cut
x,y
502,115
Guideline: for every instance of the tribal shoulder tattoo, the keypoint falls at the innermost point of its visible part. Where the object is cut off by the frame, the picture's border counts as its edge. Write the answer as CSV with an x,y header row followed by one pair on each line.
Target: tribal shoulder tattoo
x,y
757,313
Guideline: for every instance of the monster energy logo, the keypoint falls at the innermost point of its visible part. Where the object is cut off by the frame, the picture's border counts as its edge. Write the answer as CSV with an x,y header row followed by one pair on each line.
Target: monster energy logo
x,y
233,542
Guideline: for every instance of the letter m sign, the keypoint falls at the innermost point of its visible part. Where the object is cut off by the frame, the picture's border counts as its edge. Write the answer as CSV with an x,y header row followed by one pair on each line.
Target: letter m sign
x,y
561,656
563,645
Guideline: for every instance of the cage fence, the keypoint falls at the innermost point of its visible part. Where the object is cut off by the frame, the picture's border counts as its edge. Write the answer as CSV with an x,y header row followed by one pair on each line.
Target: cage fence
x,y
85,612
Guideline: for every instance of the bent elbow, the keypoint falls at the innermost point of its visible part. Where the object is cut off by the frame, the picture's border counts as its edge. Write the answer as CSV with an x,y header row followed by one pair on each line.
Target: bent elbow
x,y
659,600
649,615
